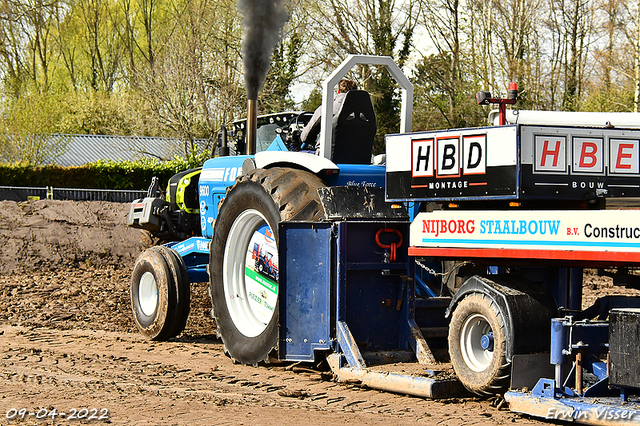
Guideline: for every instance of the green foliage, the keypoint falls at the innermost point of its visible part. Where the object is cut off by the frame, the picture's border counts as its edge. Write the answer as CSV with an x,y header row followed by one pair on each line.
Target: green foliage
x,y
28,122
25,126
616,99
23,175
129,174
386,102
173,68
276,91
98,175
313,101
137,67
101,113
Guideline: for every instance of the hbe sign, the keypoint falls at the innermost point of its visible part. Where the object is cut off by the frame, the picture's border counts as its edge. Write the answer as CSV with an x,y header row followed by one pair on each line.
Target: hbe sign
x,y
579,162
586,155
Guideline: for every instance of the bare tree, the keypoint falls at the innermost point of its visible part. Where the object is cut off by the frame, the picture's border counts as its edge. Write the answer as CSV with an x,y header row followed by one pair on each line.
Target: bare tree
x,y
193,83
103,46
375,27
26,38
14,70
571,25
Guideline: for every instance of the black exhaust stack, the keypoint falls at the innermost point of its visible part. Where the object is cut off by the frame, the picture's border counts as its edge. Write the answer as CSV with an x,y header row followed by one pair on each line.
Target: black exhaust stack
x,y
223,150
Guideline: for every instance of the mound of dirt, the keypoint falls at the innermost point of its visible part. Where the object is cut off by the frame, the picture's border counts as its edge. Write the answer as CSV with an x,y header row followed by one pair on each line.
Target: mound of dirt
x,y
50,234
67,265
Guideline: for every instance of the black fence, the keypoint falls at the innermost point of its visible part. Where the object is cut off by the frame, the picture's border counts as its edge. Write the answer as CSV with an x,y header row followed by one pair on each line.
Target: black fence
x,y
23,193
17,193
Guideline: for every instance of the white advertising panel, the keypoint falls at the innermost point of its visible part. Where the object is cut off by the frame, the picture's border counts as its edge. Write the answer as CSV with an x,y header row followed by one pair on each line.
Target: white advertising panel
x,y
452,164
574,230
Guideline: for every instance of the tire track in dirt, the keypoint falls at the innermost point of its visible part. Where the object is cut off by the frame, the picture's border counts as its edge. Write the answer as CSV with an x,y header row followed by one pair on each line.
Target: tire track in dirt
x,y
187,382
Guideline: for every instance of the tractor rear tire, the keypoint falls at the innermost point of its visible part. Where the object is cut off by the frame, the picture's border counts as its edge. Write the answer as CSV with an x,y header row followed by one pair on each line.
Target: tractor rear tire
x,y
483,371
245,303
153,295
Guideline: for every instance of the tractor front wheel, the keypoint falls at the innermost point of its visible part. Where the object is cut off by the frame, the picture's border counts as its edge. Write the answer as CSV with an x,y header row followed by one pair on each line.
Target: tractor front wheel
x,y
160,293
180,277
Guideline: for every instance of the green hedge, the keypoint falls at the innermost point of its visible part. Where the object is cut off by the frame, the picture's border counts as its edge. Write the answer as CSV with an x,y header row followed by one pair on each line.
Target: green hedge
x,y
98,175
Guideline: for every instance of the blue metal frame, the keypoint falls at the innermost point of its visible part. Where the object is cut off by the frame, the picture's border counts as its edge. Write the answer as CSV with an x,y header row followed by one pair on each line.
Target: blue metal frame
x,y
195,253
350,281
372,298
552,399
305,290
344,294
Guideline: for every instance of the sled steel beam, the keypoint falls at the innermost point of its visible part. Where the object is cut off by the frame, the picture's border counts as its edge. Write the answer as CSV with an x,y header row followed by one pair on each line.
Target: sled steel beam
x,y
420,386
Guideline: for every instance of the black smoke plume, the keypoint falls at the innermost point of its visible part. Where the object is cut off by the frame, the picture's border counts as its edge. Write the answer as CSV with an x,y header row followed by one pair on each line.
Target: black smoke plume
x,y
263,20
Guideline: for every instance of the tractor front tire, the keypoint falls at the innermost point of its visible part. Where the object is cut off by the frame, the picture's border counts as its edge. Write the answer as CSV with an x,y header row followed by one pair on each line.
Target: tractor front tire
x,y
480,365
246,303
182,286
152,294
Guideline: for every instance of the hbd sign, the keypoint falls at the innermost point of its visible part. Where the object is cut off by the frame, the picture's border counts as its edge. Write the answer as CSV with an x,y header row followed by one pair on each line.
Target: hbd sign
x,y
449,156
452,164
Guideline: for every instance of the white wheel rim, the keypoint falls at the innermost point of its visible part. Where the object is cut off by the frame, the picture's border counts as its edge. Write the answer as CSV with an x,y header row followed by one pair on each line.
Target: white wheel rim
x,y
250,295
148,294
476,358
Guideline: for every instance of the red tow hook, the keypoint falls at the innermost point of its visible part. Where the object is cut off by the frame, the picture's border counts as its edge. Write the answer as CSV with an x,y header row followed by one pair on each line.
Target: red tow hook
x,y
393,246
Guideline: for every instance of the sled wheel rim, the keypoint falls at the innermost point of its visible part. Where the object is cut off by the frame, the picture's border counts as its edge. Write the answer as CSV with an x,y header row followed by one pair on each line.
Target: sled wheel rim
x,y
148,294
247,292
475,356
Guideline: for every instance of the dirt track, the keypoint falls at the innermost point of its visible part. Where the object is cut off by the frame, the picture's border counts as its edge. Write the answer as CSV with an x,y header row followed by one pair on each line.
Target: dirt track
x,y
67,342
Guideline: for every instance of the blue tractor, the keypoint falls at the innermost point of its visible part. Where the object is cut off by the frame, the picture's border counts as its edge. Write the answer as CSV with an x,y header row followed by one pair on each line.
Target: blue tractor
x,y
212,217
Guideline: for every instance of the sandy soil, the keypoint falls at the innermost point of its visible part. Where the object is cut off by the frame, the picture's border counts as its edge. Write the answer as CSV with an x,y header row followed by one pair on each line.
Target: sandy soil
x,y
67,342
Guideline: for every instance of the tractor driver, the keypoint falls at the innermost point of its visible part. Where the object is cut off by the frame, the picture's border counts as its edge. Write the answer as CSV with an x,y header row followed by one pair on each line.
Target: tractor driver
x,y
312,129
